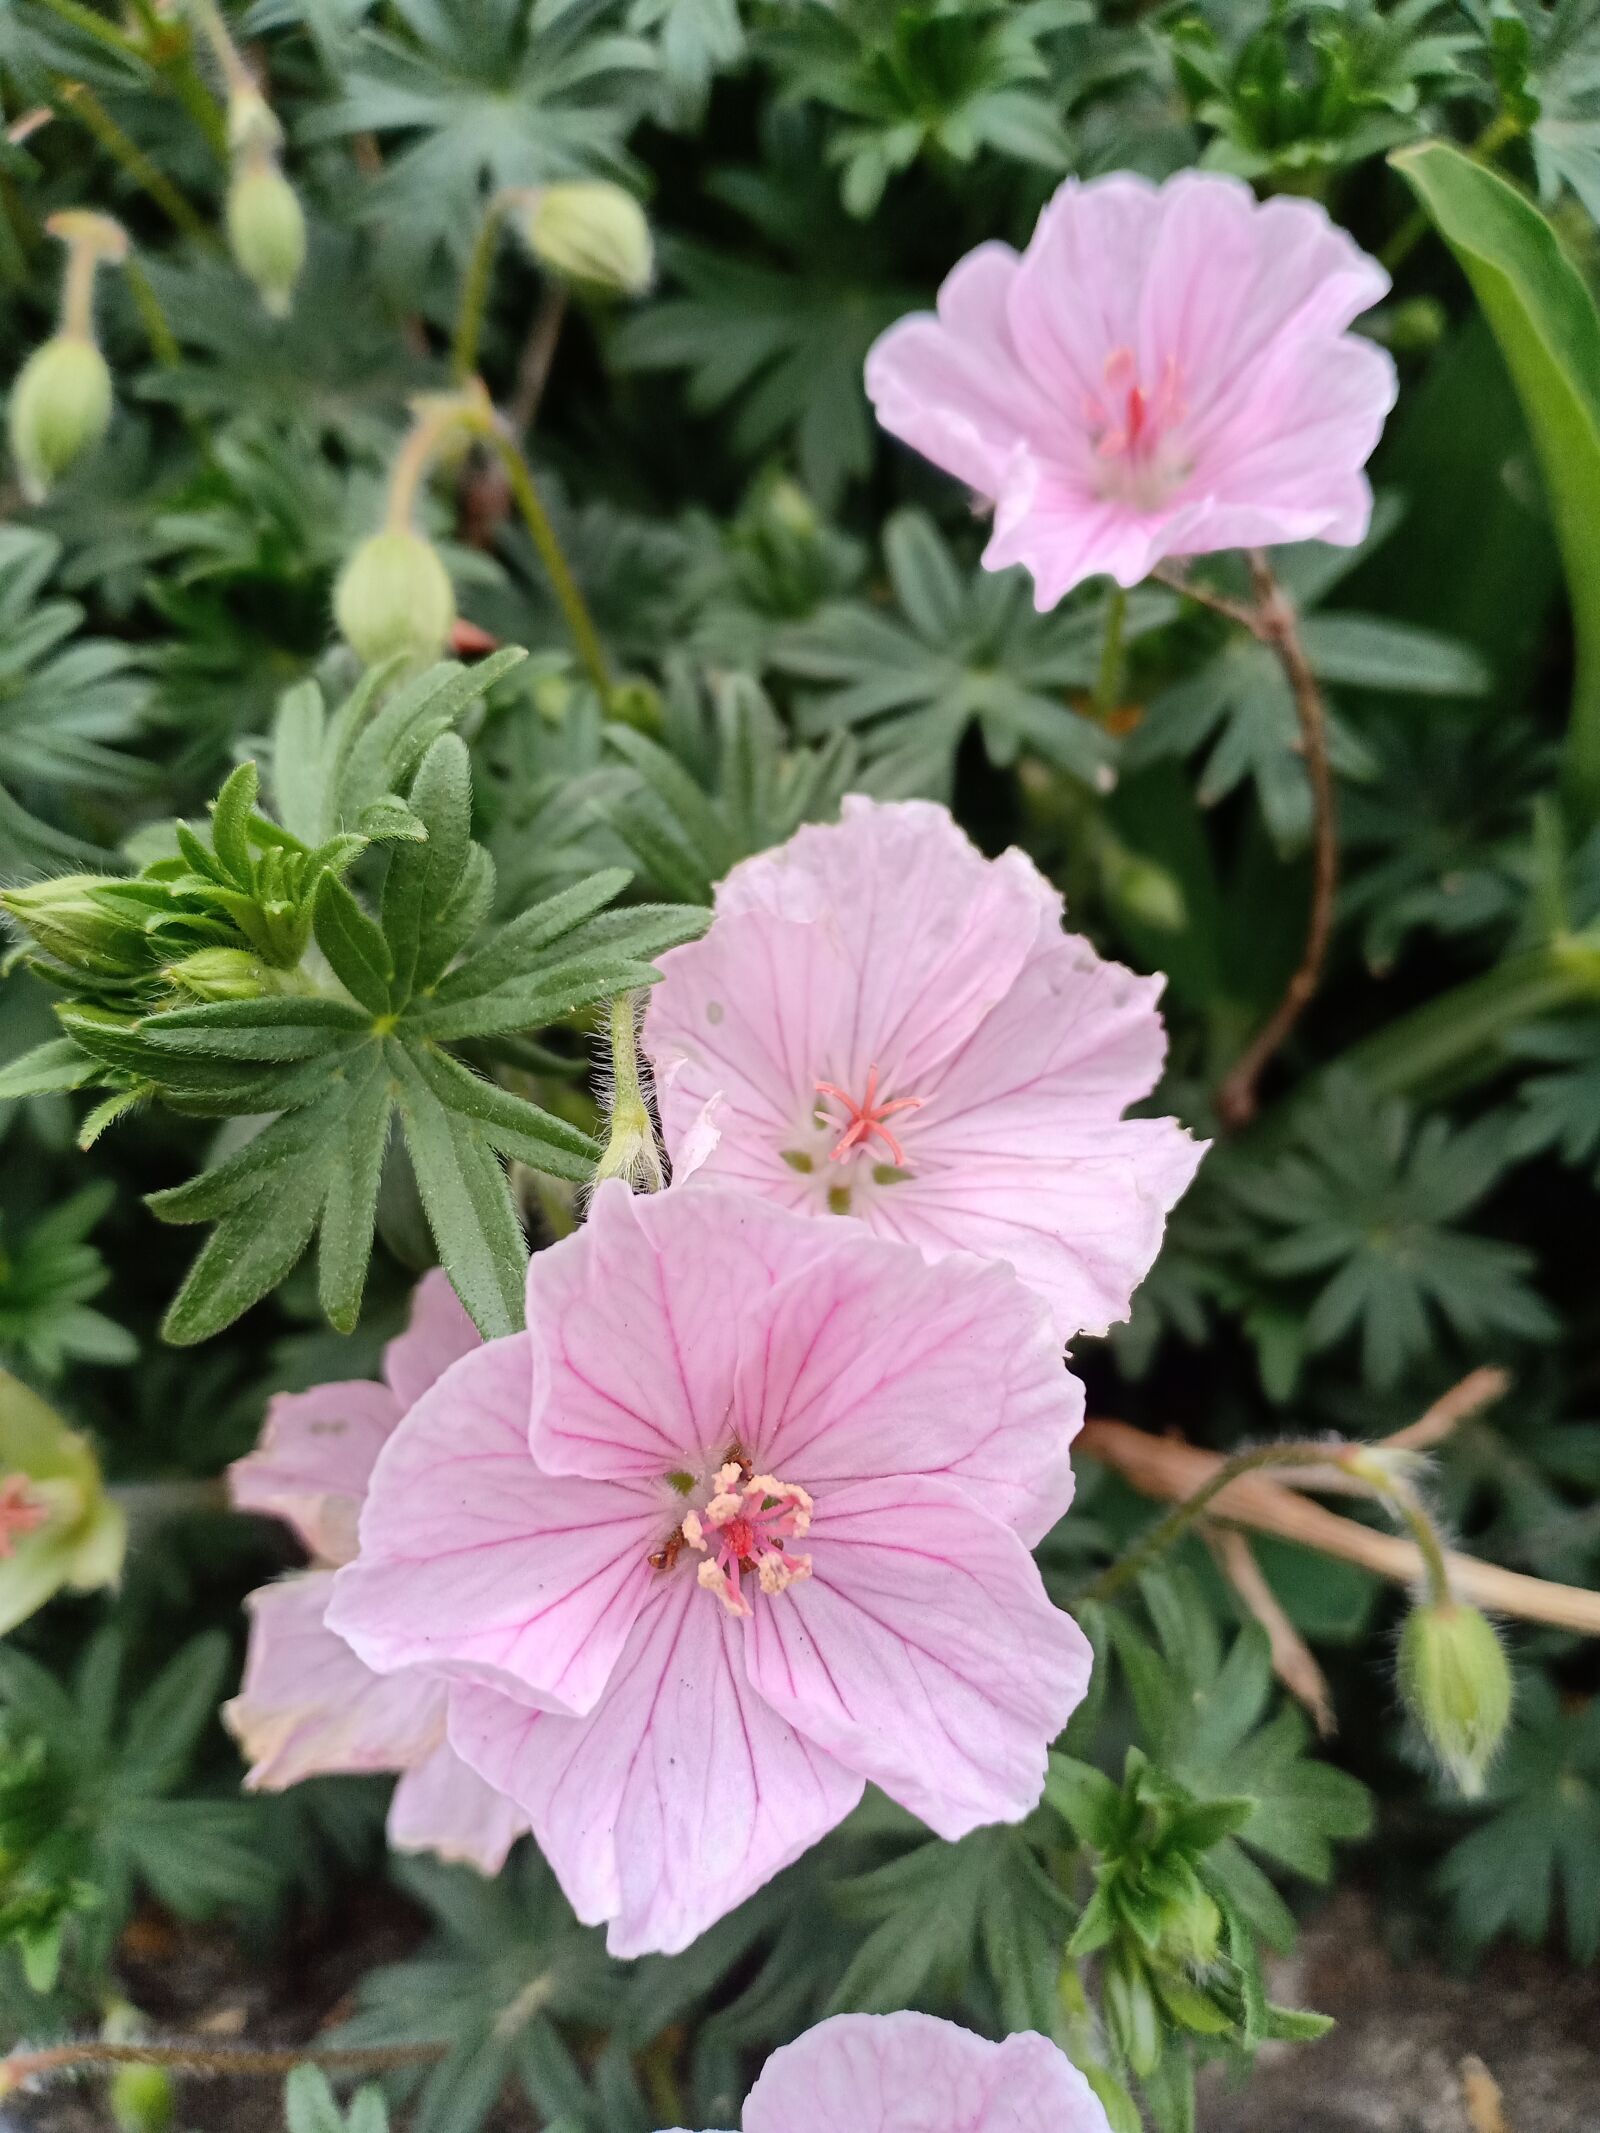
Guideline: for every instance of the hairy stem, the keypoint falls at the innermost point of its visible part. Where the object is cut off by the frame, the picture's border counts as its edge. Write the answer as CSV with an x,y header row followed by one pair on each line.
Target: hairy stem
x,y
81,100
475,294
199,2057
1182,1516
1278,627
574,608
538,353
157,327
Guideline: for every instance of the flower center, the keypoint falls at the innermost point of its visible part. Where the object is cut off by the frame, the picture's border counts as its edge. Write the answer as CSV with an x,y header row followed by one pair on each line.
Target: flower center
x,y
865,1119
20,1513
743,1526
1131,426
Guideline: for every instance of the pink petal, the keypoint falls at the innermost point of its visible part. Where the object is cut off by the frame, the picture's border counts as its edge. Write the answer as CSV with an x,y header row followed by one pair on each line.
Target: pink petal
x,y
911,2073
951,385
923,1653
313,1462
441,1806
307,1705
437,1334
476,1565
678,1796
634,1327
1076,295
872,1363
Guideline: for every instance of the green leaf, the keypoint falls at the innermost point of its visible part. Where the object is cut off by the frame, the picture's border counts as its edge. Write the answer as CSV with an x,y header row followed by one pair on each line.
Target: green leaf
x,y
354,946
52,1067
468,1202
1545,321
350,1212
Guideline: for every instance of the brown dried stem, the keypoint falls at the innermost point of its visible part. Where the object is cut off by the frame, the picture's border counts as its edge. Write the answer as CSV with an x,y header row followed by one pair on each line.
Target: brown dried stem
x,y
198,2056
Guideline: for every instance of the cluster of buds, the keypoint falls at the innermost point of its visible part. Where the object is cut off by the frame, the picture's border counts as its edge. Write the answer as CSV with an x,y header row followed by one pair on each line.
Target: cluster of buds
x,y
61,401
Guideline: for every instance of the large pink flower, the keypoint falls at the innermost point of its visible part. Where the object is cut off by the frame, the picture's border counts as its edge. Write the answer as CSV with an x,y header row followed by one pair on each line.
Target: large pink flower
x,y
1164,371
740,1522
911,2073
307,1705
881,1022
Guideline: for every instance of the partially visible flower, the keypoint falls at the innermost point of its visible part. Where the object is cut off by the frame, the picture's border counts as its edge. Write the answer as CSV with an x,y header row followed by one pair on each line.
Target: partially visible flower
x,y
1163,372
61,399
766,1538
912,2073
58,1527
882,1023
307,1705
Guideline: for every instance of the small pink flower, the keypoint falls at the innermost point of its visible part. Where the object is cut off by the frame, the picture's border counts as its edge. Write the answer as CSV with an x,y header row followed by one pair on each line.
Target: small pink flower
x,y
880,1022
740,1522
911,2073
1165,371
307,1705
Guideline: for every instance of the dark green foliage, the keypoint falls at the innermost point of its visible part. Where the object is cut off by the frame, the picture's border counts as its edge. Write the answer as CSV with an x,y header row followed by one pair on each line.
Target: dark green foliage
x,y
327,953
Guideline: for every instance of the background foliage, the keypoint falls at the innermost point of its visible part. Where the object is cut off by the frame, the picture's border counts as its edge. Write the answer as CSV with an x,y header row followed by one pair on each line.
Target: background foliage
x,y
485,852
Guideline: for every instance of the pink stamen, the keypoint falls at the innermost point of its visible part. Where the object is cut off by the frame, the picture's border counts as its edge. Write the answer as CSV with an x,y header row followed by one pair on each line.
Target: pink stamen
x,y
20,1513
1137,429
743,1527
867,1117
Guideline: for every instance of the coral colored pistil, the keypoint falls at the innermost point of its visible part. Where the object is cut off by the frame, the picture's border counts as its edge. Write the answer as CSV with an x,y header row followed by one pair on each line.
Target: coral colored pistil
x,y
867,1117
744,1527
1132,424
20,1513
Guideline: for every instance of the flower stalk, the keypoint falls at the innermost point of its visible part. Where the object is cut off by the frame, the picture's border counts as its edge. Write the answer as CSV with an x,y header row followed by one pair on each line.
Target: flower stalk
x,y
631,1151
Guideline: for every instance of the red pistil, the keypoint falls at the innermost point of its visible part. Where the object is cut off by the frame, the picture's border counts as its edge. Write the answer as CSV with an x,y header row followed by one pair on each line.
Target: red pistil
x,y
867,1117
19,1512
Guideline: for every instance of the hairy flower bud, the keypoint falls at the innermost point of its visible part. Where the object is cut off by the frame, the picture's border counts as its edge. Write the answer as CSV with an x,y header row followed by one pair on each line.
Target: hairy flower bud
x,y
591,234
228,974
60,408
70,920
1457,1686
266,230
394,595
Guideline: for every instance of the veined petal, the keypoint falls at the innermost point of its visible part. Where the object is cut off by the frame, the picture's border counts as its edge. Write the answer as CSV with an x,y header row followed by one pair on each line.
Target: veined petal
x,y
923,1652
442,1806
314,1461
633,1325
307,1704
873,1363
678,1796
475,1564
911,2073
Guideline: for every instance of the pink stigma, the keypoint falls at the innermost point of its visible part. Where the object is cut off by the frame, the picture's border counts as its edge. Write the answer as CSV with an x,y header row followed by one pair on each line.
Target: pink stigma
x,y
1131,428
867,1117
19,1513
744,1527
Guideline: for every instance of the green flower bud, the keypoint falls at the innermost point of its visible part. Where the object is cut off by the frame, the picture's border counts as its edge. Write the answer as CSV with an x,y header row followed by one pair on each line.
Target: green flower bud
x,y
227,974
60,409
266,231
591,234
637,703
1457,1686
57,1525
394,595
69,919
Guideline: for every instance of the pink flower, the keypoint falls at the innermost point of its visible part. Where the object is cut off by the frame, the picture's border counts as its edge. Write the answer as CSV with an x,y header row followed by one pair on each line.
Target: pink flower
x,y
911,2073
880,1022
307,1704
740,1522
1165,371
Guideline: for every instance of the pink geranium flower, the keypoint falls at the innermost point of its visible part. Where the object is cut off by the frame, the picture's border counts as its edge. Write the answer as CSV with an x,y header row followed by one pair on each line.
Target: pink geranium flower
x,y
881,1022
1164,371
307,1705
740,1522
911,2073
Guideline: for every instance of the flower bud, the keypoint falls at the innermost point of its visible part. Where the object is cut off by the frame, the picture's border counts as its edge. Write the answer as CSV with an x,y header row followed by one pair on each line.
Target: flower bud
x,y
57,1525
227,974
60,408
142,2099
394,595
69,919
1457,1686
636,702
266,231
591,234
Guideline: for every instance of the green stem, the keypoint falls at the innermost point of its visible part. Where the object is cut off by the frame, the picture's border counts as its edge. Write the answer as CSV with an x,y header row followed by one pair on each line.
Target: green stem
x,y
81,100
475,294
573,606
1407,1508
77,292
1458,1038
93,24
1178,1520
237,77
1108,681
158,330
631,1151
